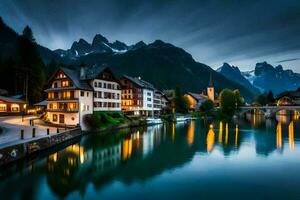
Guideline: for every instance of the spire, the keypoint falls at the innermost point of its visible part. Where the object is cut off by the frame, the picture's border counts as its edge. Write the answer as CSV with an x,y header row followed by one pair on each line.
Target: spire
x,y
210,84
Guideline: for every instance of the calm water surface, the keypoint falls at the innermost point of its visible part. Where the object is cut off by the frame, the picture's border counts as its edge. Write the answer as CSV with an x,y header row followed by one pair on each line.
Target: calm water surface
x,y
257,159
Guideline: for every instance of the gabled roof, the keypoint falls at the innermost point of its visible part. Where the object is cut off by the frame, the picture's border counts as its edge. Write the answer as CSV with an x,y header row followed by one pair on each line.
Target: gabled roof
x,y
93,72
140,82
11,100
75,78
198,97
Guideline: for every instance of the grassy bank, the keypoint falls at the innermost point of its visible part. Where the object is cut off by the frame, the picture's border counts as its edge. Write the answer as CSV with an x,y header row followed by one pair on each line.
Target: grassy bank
x,y
102,120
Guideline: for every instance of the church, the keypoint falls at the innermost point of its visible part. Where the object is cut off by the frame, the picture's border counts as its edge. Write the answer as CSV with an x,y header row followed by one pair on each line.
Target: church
x,y
195,100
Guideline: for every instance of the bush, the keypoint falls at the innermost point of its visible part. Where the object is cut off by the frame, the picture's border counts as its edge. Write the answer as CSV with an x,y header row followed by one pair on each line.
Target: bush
x,y
104,119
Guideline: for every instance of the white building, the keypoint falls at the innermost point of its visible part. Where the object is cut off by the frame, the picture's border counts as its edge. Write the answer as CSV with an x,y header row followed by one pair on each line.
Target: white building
x,y
160,102
69,99
106,87
137,96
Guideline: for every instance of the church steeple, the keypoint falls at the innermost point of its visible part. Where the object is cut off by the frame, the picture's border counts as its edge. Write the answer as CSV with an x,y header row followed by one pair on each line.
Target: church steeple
x,y
210,84
211,89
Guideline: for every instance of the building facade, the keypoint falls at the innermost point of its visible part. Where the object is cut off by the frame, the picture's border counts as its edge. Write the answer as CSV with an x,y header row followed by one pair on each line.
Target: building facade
x,y
9,105
137,96
195,100
69,99
106,87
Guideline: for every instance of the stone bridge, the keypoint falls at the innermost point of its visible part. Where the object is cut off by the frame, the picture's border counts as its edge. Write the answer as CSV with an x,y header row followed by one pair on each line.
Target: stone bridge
x,y
269,111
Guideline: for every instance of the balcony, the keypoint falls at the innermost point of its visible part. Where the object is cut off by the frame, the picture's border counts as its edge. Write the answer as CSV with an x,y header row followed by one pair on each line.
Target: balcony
x,y
63,99
65,110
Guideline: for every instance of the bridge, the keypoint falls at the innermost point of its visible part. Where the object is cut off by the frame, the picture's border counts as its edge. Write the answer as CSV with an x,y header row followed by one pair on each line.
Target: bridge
x,y
269,111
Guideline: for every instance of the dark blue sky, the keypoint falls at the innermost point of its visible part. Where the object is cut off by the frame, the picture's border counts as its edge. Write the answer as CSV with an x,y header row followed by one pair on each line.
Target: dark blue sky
x,y
239,32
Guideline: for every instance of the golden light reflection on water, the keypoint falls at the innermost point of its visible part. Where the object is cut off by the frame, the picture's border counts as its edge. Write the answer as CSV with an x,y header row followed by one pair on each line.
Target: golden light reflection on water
x,y
173,132
191,132
279,135
127,149
236,135
291,136
220,132
226,134
210,139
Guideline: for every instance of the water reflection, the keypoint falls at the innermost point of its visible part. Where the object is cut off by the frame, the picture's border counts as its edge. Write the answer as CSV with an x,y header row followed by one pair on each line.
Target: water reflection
x,y
136,156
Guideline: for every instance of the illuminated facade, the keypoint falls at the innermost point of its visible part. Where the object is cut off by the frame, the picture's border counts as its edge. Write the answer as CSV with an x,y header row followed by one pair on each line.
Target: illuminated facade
x,y
10,105
69,99
137,96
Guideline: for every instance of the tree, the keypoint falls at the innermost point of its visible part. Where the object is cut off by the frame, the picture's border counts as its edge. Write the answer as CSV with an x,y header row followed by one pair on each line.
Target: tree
x,y
229,101
181,103
207,106
270,97
30,70
28,34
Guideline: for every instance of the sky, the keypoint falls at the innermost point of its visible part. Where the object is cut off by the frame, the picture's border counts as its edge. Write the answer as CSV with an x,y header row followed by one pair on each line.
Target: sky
x,y
241,33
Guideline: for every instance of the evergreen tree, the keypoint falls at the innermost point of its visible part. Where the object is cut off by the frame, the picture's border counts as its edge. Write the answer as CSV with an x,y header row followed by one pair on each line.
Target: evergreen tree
x,y
270,97
30,71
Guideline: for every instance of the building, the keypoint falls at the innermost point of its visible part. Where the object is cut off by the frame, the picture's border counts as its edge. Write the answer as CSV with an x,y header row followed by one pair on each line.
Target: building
x,y
106,87
137,96
160,102
195,100
69,98
289,98
211,90
10,105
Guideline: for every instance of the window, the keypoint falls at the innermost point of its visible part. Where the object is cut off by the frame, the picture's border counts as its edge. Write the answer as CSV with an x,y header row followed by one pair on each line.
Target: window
x,y
65,84
87,107
95,84
148,99
3,107
99,94
87,94
54,117
95,94
82,93
118,96
149,93
100,84
55,85
104,85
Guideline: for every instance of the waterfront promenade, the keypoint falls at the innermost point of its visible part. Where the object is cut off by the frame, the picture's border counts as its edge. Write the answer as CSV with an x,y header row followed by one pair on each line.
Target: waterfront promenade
x,y
12,126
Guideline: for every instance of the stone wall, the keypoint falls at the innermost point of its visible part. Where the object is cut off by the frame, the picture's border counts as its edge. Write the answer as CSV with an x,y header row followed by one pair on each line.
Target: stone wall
x,y
18,151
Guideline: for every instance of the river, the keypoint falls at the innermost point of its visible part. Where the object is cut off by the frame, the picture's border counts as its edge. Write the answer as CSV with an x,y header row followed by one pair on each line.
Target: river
x,y
251,158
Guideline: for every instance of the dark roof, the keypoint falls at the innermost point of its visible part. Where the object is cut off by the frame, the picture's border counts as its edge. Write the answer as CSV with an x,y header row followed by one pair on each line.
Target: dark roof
x,y
198,97
11,100
140,82
42,103
75,77
291,94
92,72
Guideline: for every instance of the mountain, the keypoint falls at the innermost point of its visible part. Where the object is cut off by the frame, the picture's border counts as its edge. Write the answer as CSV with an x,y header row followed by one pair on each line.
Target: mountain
x,y
99,45
163,64
266,77
233,73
